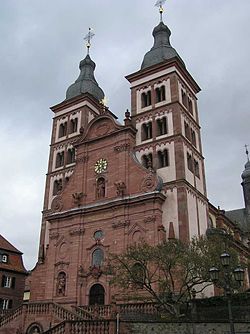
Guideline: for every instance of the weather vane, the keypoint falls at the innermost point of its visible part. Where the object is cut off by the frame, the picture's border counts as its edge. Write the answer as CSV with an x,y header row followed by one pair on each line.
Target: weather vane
x,y
88,38
247,153
160,4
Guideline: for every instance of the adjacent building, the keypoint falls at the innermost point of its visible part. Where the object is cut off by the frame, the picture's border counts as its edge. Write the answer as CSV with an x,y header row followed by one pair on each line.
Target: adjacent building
x,y
12,276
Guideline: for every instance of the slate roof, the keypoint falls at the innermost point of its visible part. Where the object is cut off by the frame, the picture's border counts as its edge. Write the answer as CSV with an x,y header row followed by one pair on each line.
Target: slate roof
x,y
6,245
162,49
241,217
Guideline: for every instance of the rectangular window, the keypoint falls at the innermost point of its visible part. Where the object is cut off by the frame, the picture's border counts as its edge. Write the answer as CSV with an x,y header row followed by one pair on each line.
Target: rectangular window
x,y
6,281
5,304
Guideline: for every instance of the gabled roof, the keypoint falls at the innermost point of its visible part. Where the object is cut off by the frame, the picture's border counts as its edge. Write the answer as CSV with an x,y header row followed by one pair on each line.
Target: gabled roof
x,y
6,245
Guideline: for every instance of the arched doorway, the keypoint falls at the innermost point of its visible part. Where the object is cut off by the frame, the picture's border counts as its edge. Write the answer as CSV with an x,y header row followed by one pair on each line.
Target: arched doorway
x,y
97,295
34,329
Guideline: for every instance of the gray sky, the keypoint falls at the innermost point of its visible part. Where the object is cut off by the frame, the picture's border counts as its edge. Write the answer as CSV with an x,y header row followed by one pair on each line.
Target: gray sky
x,y
41,46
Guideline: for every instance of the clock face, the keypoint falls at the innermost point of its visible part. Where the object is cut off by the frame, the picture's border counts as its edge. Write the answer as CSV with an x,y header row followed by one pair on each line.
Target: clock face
x,y
101,165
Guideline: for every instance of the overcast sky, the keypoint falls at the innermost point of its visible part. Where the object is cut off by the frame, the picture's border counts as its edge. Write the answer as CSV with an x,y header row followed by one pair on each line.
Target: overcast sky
x,y
41,46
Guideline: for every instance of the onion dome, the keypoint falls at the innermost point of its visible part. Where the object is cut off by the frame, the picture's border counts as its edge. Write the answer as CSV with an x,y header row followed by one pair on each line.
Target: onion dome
x,y
162,49
86,82
246,173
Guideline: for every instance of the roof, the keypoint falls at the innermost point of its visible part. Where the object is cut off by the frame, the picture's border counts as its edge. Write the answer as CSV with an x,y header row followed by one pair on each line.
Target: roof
x,y
241,217
6,245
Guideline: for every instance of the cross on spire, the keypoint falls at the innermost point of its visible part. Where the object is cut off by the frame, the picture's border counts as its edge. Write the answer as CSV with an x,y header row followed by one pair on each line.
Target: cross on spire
x,y
160,4
247,153
88,38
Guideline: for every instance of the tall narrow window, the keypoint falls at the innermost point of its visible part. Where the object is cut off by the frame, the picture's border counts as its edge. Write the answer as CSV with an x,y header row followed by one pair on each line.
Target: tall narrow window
x,y
7,282
70,156
57,186
196,168
160,94
73,125
163,158
147,131
193,137
59,159
146,99
62,130
100,188
97,257
187,130
184,98
190,106
162,127
190,162
147,160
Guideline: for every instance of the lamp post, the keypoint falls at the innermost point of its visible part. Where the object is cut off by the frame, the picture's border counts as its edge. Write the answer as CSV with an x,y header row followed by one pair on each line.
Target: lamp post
x,y
238,275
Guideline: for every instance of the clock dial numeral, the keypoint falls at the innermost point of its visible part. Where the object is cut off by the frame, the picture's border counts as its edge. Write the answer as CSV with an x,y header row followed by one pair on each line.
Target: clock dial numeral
x,y
101,165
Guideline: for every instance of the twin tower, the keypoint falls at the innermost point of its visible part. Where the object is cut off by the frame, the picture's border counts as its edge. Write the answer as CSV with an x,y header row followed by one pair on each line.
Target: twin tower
x,y
110,185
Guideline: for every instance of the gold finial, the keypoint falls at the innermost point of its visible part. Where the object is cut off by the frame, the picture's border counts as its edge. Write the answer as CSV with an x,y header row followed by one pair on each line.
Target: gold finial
x,y
88,38
247,153
160,4
104,101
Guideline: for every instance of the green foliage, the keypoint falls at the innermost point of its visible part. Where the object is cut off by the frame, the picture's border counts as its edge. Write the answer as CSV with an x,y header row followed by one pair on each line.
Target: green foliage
x,y
169,272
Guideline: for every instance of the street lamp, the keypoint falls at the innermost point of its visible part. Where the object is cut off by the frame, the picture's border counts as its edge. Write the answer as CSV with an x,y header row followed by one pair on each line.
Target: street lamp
x,y
238,275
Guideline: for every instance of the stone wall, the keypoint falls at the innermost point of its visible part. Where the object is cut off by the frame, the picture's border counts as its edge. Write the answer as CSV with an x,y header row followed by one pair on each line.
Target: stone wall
x,y
181,328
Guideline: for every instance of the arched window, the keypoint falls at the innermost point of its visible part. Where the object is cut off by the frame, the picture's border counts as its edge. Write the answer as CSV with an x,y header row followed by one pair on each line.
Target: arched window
x,y
162,127
147,160
97,295
196,168
62,130
184,98
146,131
193,137
73,125
146,99
163,158
70,156
61,284
59,159
100,188
187,130
160,94
138,275
190,162
57,186
190,106
97,257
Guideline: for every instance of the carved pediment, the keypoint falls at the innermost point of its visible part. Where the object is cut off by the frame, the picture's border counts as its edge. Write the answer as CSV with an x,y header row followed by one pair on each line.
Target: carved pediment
x,y
100,126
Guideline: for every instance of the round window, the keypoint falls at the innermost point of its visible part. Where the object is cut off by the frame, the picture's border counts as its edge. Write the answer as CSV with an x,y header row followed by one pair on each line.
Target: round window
x,y
98,235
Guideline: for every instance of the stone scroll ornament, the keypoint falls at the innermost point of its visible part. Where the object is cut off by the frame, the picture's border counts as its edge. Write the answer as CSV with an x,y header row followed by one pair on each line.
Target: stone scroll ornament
x,y
149,183
57,204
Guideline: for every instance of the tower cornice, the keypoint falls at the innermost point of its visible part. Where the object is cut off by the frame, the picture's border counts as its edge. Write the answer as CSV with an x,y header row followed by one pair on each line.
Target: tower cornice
x,y
177,67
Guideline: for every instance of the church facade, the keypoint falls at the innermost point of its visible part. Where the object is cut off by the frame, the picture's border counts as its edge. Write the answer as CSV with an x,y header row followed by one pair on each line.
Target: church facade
x,y
110,185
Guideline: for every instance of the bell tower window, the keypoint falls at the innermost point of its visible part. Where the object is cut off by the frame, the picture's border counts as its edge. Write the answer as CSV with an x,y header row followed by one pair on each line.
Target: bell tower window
x,y
160,94
146,99
162,127
62,130
57,187
147,131
147,160
190,162
73,125
59,159
70,156
163,158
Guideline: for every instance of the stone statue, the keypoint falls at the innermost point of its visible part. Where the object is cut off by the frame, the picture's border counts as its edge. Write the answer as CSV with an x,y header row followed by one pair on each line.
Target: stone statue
x,y
61,284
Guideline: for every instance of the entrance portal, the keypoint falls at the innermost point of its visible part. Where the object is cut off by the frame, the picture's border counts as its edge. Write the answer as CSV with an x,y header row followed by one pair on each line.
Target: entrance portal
x,y
96,295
